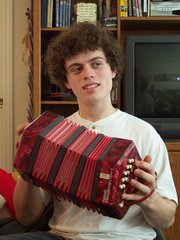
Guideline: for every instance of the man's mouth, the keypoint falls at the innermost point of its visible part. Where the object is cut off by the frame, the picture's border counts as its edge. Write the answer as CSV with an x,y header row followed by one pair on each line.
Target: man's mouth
x,y
90,86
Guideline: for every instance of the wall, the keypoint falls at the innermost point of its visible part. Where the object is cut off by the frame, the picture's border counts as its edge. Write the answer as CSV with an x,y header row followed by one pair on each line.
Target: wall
x,y
21,90
13,76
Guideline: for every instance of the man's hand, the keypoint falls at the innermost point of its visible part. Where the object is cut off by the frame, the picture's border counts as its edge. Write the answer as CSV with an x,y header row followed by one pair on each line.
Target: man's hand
x,y
158,211
146,182
20,128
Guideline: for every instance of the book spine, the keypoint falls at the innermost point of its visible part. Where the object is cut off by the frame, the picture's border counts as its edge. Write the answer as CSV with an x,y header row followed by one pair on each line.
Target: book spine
x,y
134,8
144,8
64,14
56,13
140,8
44,7
149,7
100,7
123,4
137,7
130,13
69,13
61,13
108,8
50,13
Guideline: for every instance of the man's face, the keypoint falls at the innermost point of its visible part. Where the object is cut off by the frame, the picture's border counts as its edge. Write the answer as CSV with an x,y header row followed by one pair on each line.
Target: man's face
x,y
89,76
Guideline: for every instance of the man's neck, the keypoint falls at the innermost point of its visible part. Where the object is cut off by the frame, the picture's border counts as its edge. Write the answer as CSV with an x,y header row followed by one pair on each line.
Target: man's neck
x,y
95,113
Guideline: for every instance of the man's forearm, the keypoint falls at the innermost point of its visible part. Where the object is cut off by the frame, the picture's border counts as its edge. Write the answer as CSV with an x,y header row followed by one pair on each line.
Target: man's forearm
x,y
158,212
27,202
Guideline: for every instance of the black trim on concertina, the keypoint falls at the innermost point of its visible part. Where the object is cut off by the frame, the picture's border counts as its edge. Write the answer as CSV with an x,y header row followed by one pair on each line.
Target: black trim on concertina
x,y
38,142
60,155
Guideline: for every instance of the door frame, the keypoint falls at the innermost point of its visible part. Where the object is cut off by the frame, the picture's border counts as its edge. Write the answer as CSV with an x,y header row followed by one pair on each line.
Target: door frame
x,y
6,82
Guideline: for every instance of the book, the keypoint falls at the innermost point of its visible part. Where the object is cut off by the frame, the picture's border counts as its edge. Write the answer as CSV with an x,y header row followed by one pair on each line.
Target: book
x,y
50,13
63,13
134,9
140,7
100,9
56,21
123,4
108,8
144,8
44,7
130,13
69,12
137,7
109,21
61,3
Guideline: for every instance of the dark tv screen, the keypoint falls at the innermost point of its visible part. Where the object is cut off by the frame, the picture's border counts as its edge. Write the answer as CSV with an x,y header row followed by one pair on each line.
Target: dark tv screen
x,y
152,82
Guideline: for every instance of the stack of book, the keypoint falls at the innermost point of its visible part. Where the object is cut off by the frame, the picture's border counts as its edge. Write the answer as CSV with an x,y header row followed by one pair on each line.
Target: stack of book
x,y
55,13
139,8
62,13
165,8
109,21
134,8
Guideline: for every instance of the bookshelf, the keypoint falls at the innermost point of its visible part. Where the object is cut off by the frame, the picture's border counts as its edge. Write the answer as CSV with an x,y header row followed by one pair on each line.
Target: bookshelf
x,y
125,26
41,102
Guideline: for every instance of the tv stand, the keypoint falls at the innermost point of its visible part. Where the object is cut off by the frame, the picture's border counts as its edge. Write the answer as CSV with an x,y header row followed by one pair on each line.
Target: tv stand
x,y
161,26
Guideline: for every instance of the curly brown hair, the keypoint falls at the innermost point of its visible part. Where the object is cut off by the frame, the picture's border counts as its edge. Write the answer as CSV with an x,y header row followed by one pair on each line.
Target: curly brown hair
x,y
78,38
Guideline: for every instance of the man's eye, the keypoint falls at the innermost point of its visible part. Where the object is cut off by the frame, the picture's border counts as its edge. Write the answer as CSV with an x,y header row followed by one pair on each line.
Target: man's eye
x,y
76,69
97,64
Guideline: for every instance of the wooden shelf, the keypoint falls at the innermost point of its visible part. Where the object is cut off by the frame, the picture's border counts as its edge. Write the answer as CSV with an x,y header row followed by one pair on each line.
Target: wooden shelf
x,y
64,29
150,23
152,19
59,102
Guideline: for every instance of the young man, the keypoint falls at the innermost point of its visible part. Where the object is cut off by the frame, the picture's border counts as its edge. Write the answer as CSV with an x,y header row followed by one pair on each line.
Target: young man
x,y
86,59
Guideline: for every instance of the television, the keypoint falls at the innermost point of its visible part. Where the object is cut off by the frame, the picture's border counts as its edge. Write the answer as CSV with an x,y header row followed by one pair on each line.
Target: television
x,y
151,86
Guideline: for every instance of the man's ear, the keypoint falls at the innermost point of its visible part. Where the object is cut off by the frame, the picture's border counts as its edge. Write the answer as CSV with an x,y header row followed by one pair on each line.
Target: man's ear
x,y
66,83
114,72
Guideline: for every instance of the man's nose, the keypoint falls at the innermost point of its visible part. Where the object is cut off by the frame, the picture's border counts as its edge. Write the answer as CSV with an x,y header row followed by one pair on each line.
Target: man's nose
x,y
88,72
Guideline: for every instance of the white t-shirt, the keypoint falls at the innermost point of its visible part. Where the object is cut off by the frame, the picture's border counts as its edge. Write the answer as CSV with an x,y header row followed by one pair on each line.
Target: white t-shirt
x,y
73,222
